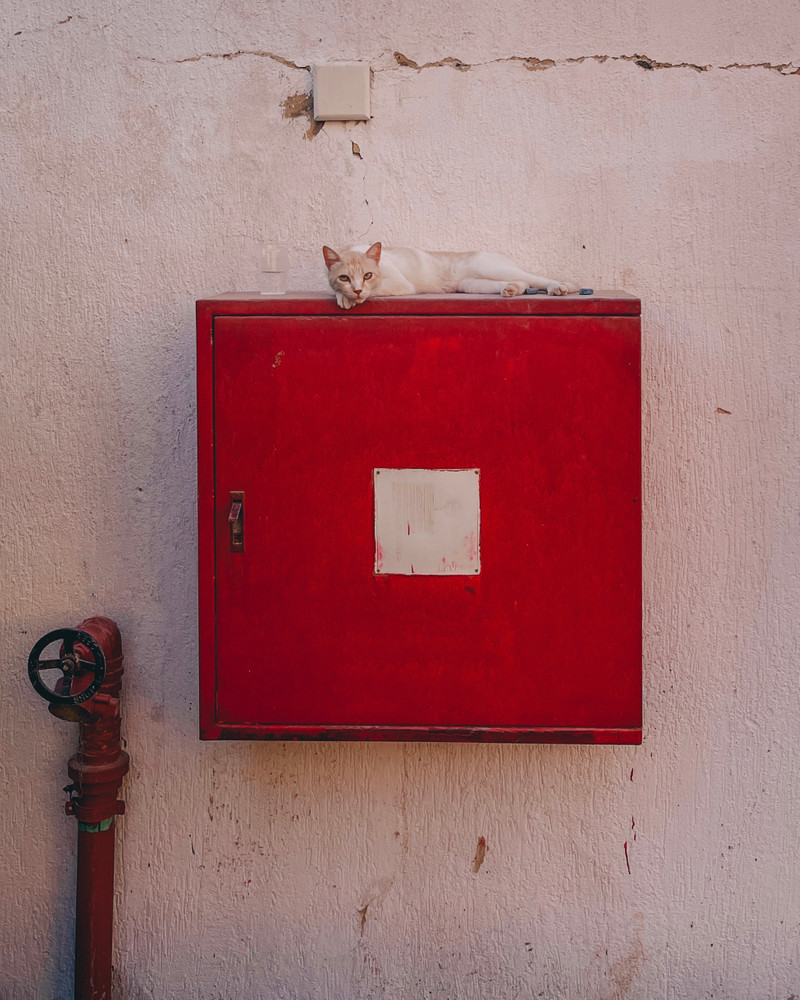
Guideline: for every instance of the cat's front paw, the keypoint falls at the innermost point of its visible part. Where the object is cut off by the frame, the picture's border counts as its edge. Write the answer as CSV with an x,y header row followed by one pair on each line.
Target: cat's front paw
x,y
514,288
343,302
557,288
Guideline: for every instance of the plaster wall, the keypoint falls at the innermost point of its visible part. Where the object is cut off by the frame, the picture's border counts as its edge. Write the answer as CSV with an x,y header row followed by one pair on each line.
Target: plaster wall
x,y
145,149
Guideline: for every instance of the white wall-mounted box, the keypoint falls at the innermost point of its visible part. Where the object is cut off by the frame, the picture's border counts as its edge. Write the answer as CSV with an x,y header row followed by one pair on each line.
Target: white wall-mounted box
x,y
341,92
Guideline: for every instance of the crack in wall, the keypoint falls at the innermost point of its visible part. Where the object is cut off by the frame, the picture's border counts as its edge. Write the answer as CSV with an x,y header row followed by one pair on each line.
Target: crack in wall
x,y
36,31
236,54
644,62
532,63
458,64
785,69
302,105
357,152
258,53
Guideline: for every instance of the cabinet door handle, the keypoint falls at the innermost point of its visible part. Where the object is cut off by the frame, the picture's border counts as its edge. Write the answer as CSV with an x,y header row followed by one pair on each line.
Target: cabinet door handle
x,y
236,520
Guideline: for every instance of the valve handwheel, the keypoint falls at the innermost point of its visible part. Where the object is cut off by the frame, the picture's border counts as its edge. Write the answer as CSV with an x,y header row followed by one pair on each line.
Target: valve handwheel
x,y
72,678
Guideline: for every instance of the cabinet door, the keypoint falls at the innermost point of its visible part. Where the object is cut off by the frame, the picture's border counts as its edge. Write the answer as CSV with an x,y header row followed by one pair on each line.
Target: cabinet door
x,y
545,636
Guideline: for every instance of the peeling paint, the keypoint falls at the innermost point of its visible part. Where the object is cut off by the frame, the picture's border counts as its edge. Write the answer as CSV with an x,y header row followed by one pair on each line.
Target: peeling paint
x,y
644,62
302,106
533,64
458,64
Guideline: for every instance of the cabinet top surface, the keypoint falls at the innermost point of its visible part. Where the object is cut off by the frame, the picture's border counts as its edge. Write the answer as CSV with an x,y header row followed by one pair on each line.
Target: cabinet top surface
x,y
610,303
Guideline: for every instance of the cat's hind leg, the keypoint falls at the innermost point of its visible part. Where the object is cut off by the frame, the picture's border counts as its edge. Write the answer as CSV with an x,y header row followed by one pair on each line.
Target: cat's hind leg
x,y
499,268
483,286
488,286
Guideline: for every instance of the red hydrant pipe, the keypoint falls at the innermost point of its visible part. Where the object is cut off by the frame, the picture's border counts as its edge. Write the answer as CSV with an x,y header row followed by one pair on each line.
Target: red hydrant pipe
x,y
97,770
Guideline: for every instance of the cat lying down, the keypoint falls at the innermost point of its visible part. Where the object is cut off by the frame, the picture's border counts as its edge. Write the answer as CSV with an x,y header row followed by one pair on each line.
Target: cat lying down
x,y
357,273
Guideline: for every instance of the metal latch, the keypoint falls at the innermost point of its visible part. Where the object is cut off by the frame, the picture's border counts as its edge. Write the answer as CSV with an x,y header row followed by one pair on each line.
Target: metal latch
x,y
236,520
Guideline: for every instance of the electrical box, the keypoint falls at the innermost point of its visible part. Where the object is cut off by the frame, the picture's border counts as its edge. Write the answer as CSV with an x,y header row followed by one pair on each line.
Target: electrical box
x,y
341,92
420,519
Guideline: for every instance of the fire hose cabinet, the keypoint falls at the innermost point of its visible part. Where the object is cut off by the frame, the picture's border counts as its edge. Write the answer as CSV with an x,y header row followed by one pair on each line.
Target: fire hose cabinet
x,y
420,519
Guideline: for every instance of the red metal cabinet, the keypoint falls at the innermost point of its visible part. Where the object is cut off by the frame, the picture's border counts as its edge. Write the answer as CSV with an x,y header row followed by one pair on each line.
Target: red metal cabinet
x,y
531,631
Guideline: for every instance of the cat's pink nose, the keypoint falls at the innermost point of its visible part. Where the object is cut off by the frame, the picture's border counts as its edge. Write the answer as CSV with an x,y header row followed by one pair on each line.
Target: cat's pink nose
x,y
358,292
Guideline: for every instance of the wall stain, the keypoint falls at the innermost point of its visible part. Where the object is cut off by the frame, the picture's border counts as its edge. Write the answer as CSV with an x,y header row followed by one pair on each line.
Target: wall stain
x,y
480,854
625,970
622,973
375,892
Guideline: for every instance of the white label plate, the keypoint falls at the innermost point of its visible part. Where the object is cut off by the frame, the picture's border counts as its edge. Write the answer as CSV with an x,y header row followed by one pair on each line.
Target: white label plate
x,y
427,522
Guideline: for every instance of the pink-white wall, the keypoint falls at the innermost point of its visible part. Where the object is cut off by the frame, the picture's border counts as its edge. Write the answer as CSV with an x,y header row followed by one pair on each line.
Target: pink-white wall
x,y
145,148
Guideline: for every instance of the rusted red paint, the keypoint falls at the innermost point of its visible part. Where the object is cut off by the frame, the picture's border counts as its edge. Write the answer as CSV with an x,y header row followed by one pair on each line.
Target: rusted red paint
x,y
429,734
301,639
322,304
97,771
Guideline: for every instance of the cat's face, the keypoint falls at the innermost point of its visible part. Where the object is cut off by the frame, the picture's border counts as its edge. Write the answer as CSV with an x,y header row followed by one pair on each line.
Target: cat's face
x,y
353,275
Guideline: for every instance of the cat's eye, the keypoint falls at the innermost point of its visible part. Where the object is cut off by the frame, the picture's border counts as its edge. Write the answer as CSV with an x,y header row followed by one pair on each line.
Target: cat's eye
x,y
368,275
343,277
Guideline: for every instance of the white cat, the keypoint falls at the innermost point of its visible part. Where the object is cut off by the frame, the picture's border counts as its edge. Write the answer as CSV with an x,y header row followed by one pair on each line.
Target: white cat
x,y
357,273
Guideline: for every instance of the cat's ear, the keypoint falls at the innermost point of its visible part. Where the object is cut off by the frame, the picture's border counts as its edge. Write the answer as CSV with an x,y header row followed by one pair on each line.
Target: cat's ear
x,y
374,253
331,257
